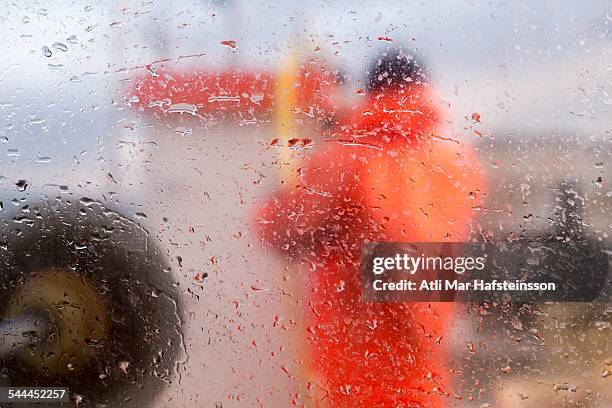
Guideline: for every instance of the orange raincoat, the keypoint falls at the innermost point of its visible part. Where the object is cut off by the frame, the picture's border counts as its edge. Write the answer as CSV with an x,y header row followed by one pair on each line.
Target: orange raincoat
x,y
387,177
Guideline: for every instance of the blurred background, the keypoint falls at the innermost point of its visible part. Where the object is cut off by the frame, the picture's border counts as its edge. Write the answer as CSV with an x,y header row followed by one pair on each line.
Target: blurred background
x,y
526,84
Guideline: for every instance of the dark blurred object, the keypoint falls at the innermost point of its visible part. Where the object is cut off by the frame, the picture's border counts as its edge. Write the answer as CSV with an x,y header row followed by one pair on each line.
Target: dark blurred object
x,y
566,256
395,69
101,287
576,260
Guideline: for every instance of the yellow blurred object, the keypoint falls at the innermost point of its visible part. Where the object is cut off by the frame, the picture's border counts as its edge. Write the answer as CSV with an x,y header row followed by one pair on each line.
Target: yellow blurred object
x,y
286,128
285,98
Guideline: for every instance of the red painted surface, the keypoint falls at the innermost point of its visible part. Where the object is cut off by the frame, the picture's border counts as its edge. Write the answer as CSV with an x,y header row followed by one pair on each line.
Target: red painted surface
x,y
236,93
233,94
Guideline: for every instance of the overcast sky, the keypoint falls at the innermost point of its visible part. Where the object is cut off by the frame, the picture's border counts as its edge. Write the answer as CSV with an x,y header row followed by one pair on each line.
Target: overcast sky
x,y
544,62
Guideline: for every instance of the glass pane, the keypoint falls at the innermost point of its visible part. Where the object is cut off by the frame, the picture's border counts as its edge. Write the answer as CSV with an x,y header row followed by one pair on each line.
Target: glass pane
x,y
189,190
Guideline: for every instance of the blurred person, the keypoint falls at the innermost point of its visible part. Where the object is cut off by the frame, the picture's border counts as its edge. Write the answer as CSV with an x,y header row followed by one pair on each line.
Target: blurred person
x,y
386,175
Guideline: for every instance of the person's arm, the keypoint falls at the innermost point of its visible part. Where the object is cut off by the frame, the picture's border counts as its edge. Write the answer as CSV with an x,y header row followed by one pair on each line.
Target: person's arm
x,y
311,214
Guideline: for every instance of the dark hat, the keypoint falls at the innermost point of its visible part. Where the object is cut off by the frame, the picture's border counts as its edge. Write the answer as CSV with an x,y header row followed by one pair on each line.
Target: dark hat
x,y
395,69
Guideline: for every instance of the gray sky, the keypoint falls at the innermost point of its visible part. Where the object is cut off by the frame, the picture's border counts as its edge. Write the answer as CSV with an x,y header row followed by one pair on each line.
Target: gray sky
x,y
522,65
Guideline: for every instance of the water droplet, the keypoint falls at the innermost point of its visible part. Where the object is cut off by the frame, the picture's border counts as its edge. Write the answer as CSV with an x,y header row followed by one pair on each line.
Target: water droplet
x,y
78,399
230,43
46,51
86,201
21,185
124,365
183,131
565,387
183,108
60,46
